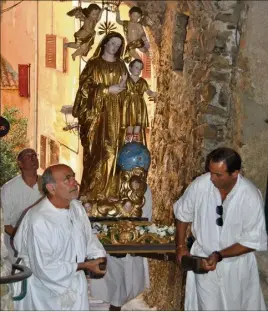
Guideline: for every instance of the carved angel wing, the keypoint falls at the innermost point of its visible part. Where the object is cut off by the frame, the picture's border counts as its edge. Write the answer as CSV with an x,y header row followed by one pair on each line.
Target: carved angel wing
x,y
75,11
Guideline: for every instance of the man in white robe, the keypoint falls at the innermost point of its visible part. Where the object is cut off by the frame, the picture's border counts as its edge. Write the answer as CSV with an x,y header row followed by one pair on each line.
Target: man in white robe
x,y
126,277
19,193
228,236
53,240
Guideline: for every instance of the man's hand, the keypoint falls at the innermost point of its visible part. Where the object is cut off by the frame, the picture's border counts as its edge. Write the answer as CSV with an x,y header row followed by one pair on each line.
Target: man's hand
x,y
211,263
93,266
181,251
10,230
116,89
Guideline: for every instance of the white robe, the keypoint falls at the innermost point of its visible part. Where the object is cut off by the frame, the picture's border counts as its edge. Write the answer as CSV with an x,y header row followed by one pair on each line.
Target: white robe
x,y
126,277
16,196
51,242
234,285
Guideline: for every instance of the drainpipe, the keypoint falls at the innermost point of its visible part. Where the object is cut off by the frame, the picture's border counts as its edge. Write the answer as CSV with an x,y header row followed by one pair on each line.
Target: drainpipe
x,y
36,59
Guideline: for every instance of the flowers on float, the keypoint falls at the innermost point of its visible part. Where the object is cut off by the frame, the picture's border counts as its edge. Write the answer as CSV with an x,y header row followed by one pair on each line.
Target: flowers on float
x,y
171,230
98,228
154,229
162,231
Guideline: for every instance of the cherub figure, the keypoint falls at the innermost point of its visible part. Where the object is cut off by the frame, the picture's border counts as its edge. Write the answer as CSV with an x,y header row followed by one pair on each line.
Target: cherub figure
x,y
134,32
135,115
84,37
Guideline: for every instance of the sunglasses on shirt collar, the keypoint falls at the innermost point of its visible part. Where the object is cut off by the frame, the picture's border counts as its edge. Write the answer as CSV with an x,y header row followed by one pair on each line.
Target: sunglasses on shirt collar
x,y
219,210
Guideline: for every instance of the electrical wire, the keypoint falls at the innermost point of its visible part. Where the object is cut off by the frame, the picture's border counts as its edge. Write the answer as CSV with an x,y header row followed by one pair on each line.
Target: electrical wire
x,y
11,7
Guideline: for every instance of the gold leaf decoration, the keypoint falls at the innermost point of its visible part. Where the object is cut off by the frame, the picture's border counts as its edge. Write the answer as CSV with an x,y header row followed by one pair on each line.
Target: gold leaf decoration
x,y
106,28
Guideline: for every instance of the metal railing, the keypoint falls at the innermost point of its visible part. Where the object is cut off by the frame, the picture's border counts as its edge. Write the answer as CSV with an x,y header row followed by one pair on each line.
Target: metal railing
x,y
18,277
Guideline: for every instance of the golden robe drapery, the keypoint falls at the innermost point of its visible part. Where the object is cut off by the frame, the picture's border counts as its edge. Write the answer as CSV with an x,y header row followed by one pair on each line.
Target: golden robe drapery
x,y
99,117
134,107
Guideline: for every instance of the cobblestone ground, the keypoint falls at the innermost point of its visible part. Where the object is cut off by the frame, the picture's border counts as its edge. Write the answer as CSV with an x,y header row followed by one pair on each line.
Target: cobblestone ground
x,y
136,304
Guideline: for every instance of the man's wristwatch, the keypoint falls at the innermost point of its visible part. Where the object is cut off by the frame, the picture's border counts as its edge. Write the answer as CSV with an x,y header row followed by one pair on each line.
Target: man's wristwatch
x,y
219,255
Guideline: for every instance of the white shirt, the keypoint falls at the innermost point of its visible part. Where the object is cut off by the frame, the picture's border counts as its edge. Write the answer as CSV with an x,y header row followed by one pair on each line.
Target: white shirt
x,y
16,196
51,242
234,285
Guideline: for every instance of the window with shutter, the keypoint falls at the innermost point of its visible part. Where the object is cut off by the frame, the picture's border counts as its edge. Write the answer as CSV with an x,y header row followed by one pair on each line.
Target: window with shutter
x,y
43,151
51,51
24,75
60,53
146,72
54,152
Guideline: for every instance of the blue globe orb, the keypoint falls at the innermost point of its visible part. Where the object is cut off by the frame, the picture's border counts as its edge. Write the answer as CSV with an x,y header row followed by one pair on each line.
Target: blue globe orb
x,y
133,155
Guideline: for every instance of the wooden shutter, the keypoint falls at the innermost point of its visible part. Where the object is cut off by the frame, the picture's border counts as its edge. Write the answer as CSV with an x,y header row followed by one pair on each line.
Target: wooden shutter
x,y
54,152
24,74
146,72
51,51
43,151
64,67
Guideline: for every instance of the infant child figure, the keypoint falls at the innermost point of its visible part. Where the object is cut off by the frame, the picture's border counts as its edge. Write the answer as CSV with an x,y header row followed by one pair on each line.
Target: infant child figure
x,y
135,34
135,115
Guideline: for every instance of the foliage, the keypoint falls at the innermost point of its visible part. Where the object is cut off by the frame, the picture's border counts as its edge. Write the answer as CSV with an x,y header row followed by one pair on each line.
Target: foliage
x,y
11,144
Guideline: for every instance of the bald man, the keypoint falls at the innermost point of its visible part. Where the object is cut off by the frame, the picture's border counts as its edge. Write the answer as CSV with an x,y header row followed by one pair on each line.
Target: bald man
x,y
54,239
19,193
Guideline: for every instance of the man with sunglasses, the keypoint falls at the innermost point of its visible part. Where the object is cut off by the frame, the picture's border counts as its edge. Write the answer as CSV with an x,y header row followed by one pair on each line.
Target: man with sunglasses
x,y
19,193
226,214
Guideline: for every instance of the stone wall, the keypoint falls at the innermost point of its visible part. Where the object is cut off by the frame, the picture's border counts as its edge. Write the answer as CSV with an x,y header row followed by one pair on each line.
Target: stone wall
x,y
250,102
195,112
251,93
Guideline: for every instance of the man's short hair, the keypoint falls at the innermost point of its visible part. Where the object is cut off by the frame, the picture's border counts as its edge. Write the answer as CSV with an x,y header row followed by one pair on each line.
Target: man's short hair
x,y
23,152
231,158
47,177
135,9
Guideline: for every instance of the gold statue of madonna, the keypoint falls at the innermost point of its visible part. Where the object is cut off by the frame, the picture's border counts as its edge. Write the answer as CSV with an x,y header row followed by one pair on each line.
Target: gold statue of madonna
x,y
97,106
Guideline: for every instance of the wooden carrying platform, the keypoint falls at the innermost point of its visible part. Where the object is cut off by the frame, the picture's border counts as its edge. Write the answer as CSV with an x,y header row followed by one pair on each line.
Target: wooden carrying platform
x,y
166,252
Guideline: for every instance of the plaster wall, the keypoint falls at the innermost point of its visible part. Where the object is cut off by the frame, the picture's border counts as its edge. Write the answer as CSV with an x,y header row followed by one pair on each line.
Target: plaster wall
x,y
18,30
10,98
55,87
